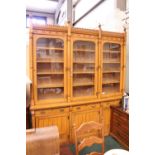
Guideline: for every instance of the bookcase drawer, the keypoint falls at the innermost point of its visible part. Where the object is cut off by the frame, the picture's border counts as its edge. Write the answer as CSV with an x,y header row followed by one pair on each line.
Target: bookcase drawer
x,y
79,108
124,118
122,136
119,126
52,111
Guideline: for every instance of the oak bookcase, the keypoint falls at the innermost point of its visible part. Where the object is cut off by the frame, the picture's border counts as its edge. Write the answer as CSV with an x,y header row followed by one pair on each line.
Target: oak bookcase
x,y
77,74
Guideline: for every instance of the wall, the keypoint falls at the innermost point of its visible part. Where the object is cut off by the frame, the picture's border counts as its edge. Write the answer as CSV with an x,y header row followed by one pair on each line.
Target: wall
x,y
127,49
83,6
50,17
105,14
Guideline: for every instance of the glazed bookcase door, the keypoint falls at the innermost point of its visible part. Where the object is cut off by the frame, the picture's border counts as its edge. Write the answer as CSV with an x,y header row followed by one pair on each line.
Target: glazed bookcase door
x,y
49,69
111,74
83,69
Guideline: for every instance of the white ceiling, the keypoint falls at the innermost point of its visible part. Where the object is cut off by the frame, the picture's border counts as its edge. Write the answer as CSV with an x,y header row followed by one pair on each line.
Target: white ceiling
x,y
46,6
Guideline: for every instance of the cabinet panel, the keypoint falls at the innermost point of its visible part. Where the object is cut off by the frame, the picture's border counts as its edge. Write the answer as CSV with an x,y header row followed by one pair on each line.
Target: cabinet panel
x,y
79,117
107,114
61,121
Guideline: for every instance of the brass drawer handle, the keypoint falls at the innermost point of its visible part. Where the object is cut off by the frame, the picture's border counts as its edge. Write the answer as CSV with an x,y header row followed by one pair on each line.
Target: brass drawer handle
x,y
78,108
61,110
42,112
93,106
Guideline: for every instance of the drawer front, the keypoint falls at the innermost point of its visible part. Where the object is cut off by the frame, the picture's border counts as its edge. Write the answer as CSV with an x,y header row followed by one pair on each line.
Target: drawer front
x,y
79,108
93,106
121,125
123,117
59,111
115,103
123,136
111,103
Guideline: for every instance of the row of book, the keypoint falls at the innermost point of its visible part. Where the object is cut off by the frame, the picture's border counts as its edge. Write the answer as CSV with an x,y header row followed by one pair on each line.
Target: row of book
x,y
125,102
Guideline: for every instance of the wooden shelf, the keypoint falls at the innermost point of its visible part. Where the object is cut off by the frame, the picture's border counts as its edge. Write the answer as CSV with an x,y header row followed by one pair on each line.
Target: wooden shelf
x,y
48,72
83,72
53,85
110,61
111,71
84,50
75,84
50,61
84,62
49,48
108,81
110,51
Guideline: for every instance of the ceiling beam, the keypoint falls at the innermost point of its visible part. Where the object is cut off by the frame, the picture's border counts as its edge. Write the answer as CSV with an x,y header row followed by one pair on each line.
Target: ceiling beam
x,y
89,11
75,4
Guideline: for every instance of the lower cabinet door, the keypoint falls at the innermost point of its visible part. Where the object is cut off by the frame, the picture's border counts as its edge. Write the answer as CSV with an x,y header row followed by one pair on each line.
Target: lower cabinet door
x,y
107,115
82,116
62,122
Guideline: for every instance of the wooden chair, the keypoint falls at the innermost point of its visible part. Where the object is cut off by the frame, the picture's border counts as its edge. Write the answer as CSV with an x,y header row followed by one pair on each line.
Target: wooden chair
x,y
86,128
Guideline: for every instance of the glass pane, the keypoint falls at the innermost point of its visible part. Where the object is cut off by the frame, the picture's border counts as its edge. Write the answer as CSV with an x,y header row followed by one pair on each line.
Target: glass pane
x,y
111,68
50,68
84,45
45,81
50,42
50,93
50,55
86,79
83,68
83,91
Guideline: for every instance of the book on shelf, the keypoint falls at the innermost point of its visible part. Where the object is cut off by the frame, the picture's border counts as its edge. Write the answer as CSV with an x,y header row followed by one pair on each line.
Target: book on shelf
x,y
125,102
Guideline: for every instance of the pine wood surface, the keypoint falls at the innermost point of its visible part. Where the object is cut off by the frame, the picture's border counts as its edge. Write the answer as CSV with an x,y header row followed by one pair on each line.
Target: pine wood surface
x,y
78,97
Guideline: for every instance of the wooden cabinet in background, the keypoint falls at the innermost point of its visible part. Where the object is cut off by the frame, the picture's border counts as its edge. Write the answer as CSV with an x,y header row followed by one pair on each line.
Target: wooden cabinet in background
x,y
77,74
120,126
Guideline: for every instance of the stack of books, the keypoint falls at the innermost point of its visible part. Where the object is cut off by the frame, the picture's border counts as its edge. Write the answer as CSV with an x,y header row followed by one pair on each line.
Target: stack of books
x,y
125,102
